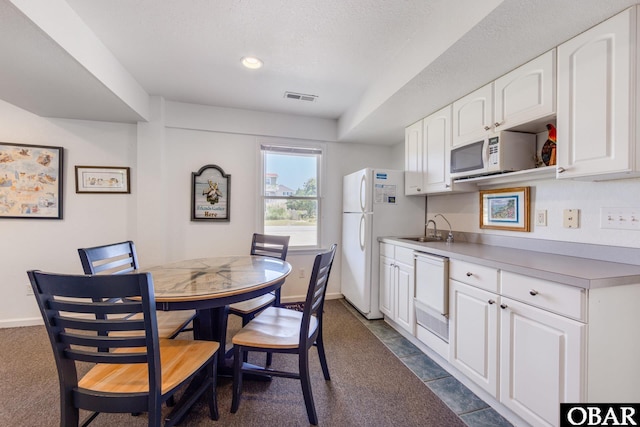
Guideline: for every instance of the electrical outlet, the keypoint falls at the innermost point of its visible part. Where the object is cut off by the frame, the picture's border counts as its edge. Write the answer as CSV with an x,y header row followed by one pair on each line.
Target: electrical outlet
x,y
541,218
29,290
571,218
301,273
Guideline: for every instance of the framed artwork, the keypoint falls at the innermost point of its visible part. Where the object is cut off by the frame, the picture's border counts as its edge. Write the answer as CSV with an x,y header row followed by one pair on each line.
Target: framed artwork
x,y
505,209
102,179
30,181
210,189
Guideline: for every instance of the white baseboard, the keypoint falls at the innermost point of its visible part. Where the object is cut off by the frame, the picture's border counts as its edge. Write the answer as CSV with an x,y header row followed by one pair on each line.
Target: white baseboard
x,y
16,323
300,298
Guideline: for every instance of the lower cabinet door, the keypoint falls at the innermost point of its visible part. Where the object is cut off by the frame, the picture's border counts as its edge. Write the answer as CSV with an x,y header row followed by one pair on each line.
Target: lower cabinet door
x,y
405,292
473,332
541,362
387,282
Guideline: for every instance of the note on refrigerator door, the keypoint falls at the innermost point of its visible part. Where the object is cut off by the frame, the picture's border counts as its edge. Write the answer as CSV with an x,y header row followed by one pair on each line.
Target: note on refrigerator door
x,y
385,194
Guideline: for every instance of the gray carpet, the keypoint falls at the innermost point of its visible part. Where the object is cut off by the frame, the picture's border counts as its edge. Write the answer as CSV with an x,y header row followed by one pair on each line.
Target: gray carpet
x,y
369,386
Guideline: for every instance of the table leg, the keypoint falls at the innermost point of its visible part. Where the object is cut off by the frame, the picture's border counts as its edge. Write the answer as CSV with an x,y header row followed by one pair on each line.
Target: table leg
x,y
211,324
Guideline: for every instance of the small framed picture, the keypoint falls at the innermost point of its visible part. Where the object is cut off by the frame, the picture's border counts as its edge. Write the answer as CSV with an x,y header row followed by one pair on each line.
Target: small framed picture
x,y
102,179
505,209
210,193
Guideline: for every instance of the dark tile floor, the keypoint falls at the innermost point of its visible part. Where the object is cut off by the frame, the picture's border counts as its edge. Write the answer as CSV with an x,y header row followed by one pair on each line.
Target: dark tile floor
x,y
469,407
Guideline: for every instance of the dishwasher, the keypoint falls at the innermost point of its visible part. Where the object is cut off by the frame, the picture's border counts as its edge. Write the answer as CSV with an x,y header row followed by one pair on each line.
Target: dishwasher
x,y
431,300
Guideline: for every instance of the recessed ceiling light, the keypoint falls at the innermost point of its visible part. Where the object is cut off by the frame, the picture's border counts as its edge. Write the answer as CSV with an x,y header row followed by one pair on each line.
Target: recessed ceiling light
x,y
251,62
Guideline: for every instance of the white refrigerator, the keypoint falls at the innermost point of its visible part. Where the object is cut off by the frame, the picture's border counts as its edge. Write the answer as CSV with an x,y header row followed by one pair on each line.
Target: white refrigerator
x,y
373,205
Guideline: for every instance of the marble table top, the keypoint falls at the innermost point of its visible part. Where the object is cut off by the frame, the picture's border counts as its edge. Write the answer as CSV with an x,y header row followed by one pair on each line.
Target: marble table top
x,y
218,277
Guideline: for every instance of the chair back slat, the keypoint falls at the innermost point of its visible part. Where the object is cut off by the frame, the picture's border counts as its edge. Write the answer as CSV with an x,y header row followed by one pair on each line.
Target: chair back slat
x,y
78,333
95,307
115,258
270,246
314,302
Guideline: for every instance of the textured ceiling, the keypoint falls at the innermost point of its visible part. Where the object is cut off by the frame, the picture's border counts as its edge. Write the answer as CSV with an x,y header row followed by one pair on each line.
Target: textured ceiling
x,y
375,65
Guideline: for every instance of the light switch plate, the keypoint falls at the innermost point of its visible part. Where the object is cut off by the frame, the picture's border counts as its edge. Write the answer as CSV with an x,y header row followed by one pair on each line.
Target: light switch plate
x,y
570,218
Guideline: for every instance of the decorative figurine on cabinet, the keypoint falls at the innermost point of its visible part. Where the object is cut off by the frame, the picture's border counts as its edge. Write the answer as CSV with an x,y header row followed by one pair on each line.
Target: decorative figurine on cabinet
x,y
548,152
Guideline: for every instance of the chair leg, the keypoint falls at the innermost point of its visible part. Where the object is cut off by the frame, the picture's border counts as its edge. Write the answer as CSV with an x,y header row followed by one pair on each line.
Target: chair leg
x,y
323,357
305,379
269,358
69,414
237,378
212,395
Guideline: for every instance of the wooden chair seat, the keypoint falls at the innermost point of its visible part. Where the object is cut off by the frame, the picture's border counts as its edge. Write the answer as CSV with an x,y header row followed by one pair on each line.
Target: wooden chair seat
x,y
253,305
170,323
179,359
275,327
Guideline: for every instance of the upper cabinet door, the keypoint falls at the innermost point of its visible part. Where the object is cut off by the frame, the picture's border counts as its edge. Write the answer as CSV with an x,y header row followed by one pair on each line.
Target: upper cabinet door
x,y
527,93
436,134
414,165
473,115
596,101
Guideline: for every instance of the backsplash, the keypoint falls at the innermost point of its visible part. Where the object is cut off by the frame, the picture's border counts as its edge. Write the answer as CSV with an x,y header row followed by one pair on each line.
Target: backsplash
x,y
552,195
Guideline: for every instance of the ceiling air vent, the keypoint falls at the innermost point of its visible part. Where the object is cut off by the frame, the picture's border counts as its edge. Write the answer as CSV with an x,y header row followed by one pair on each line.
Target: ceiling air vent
x,y
300,96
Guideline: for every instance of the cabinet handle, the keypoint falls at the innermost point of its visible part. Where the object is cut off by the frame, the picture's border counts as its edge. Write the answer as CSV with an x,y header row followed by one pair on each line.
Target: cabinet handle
x,y
496,124
469,274
491,301
533,292
487,128
447,186
560,169
419,189
503,306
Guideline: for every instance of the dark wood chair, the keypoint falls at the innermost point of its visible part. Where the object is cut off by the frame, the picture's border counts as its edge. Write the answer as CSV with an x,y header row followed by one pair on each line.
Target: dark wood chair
x,y
139,371
263,245
121,258
281,330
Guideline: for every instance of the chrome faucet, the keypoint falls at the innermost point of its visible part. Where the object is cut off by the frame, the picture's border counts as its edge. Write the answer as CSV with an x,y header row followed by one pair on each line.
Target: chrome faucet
x,y
435,229
450,235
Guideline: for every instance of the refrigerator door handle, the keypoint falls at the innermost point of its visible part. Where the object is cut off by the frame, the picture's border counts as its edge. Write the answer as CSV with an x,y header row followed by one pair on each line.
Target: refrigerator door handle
x,y
363,196
361,233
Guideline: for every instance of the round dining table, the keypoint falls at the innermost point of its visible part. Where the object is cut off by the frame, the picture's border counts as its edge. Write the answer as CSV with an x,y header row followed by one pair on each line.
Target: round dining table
x,y
209,285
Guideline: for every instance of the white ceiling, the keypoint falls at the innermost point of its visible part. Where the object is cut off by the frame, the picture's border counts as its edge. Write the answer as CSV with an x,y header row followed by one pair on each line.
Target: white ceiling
x,y
375,65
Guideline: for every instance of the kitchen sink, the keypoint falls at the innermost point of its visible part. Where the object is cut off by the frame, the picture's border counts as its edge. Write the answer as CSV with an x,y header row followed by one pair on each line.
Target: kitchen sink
x,y
422,239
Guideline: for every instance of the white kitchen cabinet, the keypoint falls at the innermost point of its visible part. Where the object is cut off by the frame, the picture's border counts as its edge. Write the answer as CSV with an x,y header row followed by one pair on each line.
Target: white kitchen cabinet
x,y
436,134
541,361
414,161
526,95
397,285
474,334
387,280
598,101
427,146
473,115
520,339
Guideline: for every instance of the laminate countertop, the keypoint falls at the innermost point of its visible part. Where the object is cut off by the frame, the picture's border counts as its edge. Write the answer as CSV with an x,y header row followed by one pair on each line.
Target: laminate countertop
x,y
584,273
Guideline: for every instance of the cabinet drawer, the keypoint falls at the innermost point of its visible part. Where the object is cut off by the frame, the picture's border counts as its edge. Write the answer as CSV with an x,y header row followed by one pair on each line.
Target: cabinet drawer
x,y
474,274
387,250
404,255
561,299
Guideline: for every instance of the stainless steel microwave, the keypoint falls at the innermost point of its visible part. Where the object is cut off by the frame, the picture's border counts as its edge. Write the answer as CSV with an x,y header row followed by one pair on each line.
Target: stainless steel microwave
x,y
497,153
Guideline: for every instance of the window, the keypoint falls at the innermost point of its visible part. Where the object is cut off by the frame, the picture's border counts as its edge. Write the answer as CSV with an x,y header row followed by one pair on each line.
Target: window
x,y
291,194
